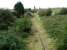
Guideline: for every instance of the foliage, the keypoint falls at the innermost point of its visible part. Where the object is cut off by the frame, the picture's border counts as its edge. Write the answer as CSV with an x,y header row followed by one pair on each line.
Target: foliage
x,y
63,11
64,46
59,11
11,42
23,26
56,27
44,12
6,18
56,11
19,8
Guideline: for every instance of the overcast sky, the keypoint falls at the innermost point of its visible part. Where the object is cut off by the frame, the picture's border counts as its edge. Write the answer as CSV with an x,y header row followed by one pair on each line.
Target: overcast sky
x,y
30,3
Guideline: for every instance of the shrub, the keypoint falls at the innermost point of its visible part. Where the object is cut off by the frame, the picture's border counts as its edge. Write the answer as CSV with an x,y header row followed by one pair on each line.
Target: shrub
x,y
56,11
8,42
63,11
23,25
60,11
6,18
64,46
45,12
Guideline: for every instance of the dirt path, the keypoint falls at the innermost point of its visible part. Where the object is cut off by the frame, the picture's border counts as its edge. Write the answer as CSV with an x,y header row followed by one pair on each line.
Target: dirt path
x,y
40,39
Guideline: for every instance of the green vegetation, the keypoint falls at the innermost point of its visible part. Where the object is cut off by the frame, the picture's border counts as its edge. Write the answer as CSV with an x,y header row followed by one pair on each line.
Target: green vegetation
x,y
59,11
23,26
6,18
11,42
45,12
13,38
19,9
15,31
63,11
56,27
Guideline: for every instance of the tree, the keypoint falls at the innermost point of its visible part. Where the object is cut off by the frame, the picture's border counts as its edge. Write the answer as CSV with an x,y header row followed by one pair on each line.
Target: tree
x,y
19,9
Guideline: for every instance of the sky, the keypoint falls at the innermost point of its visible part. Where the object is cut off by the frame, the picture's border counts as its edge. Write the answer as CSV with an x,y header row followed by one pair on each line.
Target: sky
x,y
30,3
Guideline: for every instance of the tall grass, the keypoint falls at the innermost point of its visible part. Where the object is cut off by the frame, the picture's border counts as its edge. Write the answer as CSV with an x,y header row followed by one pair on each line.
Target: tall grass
x,y
56,27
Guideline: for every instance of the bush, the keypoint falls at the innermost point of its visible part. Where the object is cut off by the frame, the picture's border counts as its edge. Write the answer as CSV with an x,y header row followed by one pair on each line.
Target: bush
x,y
23,25
45,12
56,11
8,42
64,46
6,18
60,11
63,11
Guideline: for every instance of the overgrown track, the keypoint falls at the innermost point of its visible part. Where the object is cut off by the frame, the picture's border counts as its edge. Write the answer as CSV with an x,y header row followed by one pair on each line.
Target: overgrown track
x,y
39,41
